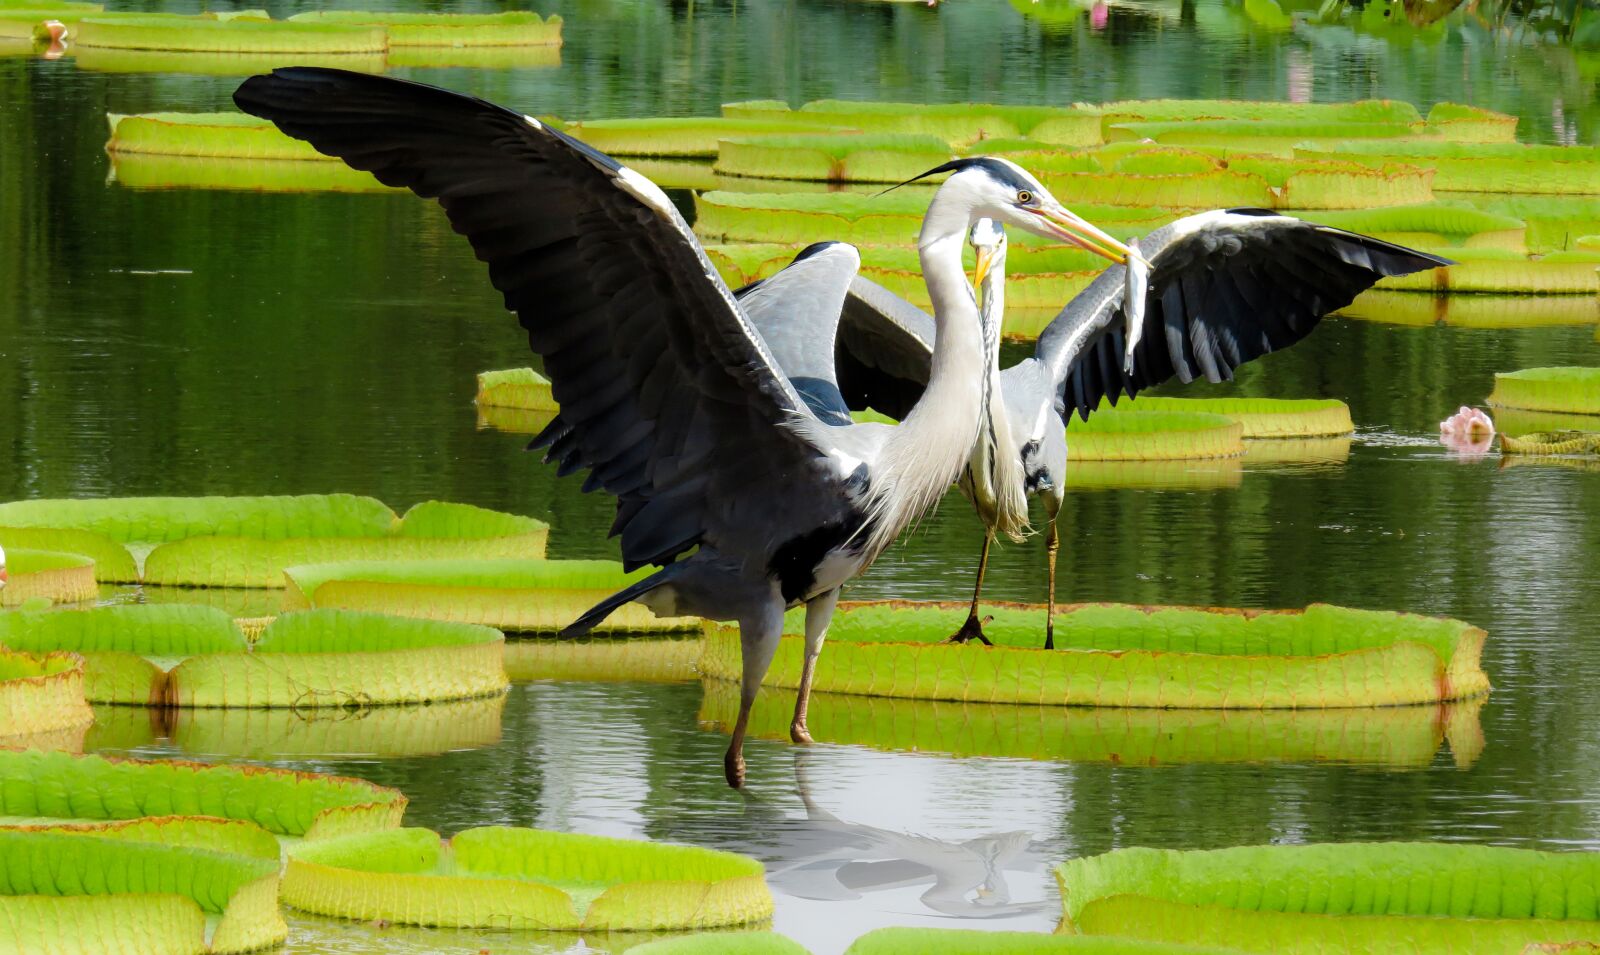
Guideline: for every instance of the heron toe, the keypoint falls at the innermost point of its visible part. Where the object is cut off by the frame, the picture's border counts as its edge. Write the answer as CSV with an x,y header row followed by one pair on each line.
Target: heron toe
x,y
799,733
733,768
972,630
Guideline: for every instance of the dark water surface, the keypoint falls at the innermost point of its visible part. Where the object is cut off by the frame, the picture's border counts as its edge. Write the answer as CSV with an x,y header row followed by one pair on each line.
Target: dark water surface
x,y
219,343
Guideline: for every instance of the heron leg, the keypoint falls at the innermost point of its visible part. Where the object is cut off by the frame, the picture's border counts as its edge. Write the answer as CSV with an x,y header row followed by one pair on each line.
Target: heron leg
x,y
1052,544
819,612
972,629
758,642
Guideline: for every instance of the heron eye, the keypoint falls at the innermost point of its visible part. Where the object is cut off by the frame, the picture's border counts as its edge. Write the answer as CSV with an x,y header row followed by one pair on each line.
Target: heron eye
x,y
1024,197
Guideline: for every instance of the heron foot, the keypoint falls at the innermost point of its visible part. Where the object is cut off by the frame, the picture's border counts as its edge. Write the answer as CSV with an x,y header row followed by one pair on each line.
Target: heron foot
x,y
799,733
733,768
972,630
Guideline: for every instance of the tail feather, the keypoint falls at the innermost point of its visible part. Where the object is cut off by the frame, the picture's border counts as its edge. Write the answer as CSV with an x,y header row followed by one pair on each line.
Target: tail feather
x,y
597,614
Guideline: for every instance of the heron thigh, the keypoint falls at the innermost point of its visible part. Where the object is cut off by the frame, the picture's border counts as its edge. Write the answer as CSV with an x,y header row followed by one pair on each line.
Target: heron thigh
x,y
819,613
759,633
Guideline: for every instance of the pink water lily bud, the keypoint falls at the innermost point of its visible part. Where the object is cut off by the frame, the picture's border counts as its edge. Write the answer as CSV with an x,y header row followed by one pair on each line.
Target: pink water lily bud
x,y
1468,423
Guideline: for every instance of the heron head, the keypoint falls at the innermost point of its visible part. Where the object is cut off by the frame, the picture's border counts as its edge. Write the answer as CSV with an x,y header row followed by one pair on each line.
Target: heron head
x,y
1001,190
988,239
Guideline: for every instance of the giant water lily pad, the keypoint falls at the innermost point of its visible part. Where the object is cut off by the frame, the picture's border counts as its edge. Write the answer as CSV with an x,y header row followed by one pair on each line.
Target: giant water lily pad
x,y
1189,474
232,135
1500,270
197,34
142,170
112,560
953,123
48,575
892,219
515,28
496,877
383,732
1553,442
122,60
676,136
525,596
1357,898
41,698
1567,390
1393,737
839,157
150,885
39,785
1480,167
1120,655
1474,311
196,656
1432,225
936,941
1263,417
1118,435
247,541
515,388
632,659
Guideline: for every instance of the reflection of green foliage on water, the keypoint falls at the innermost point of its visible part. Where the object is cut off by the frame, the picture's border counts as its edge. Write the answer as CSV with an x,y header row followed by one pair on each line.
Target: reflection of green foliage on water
x,y
1438,896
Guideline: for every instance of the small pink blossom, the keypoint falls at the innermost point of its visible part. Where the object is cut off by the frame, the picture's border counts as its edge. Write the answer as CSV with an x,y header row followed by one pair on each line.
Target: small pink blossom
x,y
1468,422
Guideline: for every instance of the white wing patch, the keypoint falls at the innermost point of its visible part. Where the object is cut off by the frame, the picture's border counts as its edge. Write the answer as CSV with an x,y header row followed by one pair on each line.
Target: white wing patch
x,y
1133,299
533,122
648,193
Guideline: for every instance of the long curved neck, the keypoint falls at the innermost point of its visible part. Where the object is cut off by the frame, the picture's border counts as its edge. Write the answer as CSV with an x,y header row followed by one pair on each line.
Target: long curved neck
x,y
925,453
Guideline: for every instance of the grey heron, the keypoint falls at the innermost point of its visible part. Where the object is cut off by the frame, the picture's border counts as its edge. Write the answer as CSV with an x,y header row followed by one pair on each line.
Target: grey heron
x,y
748,500
1218,288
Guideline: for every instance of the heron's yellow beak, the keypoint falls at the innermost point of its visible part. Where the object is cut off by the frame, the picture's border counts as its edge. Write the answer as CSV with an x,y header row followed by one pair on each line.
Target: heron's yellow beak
x,y
985,260
1068,225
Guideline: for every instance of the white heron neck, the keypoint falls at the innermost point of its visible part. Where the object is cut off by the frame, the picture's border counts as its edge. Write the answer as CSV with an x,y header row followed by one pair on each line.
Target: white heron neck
x,y
925,453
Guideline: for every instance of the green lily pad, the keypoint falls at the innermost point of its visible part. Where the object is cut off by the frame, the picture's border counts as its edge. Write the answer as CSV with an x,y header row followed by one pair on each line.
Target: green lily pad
x,y
1323,656
515,28
41,697
525,596
1563,390
48,575
1119,435
43,785
1262,417
506,878
1357,898
196,656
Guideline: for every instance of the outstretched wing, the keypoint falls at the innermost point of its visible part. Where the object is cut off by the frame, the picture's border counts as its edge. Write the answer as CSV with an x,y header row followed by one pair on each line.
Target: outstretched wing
x,y
1225,287
796,311
665,389
845,342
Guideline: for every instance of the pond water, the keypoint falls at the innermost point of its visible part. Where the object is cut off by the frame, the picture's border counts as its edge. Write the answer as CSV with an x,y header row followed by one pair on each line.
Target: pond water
x,y
222,343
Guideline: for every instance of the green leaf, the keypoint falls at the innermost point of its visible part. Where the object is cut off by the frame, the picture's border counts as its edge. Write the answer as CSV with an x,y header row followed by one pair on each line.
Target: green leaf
x,y
1351,898
59,786
496,877
1324,656
227,36
1564,390
538,596
1261,417
516,28
41,699
936,941
1391,737
1118,435
53,576
147,886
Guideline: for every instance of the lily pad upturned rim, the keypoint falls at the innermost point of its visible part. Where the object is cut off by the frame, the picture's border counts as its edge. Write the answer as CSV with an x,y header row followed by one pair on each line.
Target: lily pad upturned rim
x,y
1441,662
101,788
55,576
642,885
303,659
41,693
171,871
1347,893
1569,389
